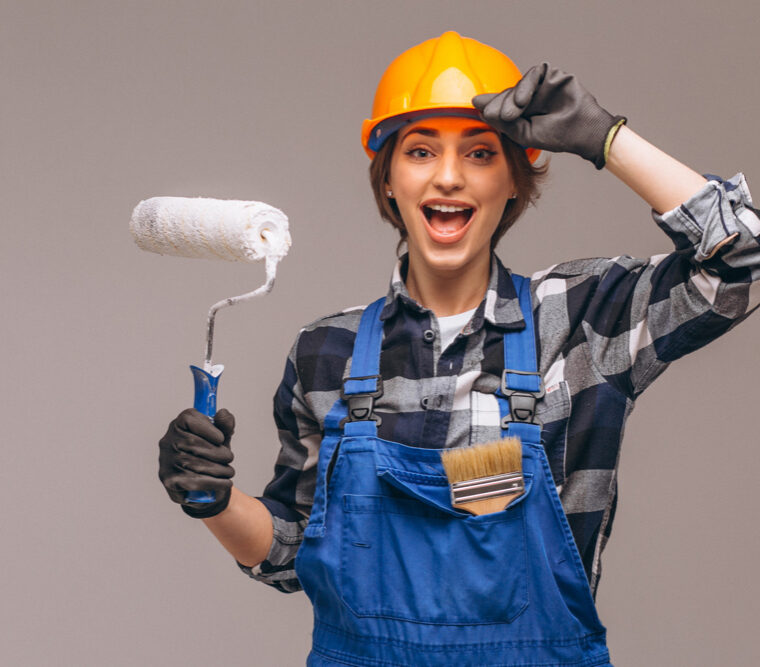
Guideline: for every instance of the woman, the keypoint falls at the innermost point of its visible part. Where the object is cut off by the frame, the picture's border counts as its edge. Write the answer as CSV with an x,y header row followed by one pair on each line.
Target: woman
x,y
460,352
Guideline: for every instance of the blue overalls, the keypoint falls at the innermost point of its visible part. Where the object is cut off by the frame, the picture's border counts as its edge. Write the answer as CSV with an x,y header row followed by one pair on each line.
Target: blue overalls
x,y
397,576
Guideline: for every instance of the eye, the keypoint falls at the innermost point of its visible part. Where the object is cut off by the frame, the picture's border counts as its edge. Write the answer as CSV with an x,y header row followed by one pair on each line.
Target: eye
x,y
482,154
419,153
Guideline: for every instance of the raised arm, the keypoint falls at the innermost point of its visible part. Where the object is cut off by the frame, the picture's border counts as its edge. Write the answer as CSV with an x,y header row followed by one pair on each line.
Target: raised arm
x,y
642,314
660,180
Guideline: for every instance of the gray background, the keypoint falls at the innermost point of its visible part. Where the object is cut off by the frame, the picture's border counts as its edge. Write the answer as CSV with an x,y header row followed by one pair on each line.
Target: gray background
x,y
105,104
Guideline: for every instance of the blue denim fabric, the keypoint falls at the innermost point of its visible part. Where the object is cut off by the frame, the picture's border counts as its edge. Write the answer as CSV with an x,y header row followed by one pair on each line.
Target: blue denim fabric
x,y
397,576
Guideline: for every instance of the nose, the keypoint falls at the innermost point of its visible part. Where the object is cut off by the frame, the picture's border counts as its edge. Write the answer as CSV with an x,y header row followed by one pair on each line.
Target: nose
x,y
448,175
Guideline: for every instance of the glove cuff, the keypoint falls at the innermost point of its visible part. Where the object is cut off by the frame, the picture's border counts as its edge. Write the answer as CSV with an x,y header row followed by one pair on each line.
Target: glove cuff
x,y
207,510
618,122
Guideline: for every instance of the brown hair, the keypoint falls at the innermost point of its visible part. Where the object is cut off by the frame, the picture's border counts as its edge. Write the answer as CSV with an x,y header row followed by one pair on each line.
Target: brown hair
x,y
527,179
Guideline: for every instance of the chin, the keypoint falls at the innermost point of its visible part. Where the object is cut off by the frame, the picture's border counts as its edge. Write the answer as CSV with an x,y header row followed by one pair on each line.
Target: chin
x,y
450,258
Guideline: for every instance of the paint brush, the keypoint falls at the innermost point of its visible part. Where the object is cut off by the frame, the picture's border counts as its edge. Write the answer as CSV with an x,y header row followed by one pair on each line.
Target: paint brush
x,y
484,478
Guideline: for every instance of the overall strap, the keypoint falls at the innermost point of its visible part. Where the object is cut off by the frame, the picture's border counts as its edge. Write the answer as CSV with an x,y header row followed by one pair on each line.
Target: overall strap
x,y
364,384
352,414
521,384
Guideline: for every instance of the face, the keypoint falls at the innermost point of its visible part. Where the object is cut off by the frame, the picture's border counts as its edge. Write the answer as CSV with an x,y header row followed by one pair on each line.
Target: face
x,y
451,182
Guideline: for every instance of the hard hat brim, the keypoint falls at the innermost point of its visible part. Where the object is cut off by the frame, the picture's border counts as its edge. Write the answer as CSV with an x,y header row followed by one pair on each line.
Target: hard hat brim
x,y
380,130
376,131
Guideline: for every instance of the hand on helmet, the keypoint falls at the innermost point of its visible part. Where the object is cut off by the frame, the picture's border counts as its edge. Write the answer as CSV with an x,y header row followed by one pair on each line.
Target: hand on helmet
x,y
549,109
195,455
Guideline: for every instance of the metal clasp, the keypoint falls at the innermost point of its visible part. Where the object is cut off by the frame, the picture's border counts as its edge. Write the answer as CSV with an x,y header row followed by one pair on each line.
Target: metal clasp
x,y
361,406
522,403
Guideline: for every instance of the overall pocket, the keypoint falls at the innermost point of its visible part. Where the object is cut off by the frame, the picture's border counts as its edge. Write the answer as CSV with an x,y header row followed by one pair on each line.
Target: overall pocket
x,y
408,555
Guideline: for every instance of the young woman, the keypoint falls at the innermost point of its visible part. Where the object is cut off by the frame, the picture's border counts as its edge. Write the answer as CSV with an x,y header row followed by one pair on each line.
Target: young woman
x,y
460,352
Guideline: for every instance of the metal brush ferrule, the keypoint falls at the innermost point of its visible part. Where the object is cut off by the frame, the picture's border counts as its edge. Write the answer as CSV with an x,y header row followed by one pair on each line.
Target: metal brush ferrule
x,y
487,487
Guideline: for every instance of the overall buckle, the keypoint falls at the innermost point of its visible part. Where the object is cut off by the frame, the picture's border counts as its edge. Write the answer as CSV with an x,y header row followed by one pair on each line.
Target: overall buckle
x,y
522,403
361,405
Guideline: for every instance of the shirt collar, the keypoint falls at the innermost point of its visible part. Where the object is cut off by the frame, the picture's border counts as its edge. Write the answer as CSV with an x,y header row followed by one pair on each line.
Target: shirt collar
x,y
500,306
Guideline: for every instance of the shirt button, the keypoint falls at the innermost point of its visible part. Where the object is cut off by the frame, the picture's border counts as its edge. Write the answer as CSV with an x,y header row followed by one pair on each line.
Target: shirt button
x,y
429,335
432,402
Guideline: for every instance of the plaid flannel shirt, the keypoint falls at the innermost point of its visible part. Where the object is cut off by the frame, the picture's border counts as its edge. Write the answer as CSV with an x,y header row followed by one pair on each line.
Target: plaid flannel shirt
x,y
605,328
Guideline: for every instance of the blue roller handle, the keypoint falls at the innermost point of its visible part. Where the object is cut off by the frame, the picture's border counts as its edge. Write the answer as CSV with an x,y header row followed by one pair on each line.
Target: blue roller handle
x,y
206,385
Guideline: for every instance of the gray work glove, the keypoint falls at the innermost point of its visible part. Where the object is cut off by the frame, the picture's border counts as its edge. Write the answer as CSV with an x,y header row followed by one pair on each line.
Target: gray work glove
x,y
549,109
195,455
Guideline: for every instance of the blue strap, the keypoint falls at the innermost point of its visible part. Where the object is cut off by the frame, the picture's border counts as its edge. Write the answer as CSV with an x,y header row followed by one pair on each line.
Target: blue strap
x,y
520,358
356,409
520,346
364,380
365,364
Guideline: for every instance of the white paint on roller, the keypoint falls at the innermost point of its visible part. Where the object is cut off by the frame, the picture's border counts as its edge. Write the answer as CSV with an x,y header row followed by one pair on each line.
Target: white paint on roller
x,y
229,229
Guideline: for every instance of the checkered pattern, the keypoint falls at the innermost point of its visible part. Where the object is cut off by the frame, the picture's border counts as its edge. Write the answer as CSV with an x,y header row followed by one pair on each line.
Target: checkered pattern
x,y
606,328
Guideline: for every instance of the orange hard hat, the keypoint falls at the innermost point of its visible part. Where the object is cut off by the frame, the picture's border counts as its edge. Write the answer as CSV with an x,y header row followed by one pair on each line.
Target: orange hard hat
x,y
441,74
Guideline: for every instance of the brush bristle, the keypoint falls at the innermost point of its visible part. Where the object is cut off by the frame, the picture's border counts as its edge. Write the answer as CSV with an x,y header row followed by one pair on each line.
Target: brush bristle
x,y
492,458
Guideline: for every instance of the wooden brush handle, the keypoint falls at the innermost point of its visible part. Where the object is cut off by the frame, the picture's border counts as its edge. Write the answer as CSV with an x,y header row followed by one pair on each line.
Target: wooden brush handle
x,y
487,505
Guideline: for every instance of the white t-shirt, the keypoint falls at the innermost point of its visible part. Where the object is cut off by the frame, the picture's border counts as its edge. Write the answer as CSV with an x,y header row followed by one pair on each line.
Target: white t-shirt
x,y
451,326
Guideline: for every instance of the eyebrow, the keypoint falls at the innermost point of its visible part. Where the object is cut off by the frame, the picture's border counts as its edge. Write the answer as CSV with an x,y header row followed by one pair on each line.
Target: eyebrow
x,y
431,132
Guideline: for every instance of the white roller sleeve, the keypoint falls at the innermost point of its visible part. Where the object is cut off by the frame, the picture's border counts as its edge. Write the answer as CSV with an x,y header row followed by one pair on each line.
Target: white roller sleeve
x,y
230,229
238,231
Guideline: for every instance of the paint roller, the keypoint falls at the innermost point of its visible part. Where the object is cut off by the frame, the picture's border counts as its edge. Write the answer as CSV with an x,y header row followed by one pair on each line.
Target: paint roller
x,y
233,230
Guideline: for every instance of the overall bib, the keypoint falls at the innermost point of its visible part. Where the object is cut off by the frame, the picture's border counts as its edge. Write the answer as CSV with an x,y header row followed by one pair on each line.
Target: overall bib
x,y
397,576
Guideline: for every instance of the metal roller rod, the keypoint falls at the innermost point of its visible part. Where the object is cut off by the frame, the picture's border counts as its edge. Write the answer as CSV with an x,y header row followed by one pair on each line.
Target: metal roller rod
x,y
271,268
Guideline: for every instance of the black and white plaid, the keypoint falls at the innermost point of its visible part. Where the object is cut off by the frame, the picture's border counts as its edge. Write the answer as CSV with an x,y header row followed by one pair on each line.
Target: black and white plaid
x,y
606,328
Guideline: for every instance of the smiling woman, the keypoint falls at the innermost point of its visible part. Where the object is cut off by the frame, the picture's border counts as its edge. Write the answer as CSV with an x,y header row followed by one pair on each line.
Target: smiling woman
x,y
359,513
451,181
526,178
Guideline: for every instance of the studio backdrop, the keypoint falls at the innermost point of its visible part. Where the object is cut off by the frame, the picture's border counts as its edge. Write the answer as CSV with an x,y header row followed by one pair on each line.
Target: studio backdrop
x,y
107,103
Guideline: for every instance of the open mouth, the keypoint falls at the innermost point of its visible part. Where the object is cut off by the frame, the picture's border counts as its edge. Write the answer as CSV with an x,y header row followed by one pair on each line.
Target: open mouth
x,y
447,223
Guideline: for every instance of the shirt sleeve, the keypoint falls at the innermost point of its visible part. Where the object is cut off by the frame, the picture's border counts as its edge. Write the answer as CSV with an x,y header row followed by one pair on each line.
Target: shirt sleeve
x,y
647,313
289,496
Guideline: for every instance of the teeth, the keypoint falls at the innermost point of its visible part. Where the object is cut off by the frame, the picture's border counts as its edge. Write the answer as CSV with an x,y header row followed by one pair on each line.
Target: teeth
x,y
444,208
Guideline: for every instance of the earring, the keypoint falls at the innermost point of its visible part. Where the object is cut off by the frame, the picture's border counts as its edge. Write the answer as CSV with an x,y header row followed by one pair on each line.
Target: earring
x,y
389,193
514,195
